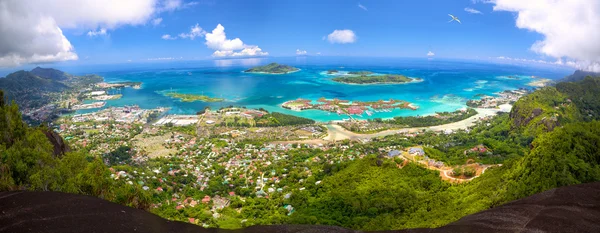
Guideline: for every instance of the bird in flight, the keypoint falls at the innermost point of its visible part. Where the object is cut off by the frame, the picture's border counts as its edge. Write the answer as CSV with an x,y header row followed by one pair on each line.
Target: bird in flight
x,y
454,18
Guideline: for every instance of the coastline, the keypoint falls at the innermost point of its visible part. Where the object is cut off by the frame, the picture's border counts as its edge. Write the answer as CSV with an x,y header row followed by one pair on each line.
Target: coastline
x,y
414,80
337,133
249,72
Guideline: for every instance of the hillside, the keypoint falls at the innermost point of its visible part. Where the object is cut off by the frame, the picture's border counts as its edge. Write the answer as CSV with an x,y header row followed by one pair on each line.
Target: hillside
x,y
40,86
50,73
28,89
585,95
579,75
542,111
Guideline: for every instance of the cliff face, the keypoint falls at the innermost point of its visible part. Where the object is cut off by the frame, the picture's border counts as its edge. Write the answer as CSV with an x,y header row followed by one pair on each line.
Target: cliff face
x,y
60,147
568,209
542,111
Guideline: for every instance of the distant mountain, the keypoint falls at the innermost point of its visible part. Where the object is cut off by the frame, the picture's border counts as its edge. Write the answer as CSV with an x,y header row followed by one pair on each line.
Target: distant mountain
x,y
30,90
50,73
579,75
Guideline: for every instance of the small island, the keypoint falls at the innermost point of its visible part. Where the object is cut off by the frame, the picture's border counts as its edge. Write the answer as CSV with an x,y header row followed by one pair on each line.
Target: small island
x,y
348,107
192,97
375,79
273,68
134,85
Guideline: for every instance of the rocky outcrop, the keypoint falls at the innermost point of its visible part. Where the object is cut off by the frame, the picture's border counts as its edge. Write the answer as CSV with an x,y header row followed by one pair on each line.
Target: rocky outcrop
x,y
60,147
521,119
568,209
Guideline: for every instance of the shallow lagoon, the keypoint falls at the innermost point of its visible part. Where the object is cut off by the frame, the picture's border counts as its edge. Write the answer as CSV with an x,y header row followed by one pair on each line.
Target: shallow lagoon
x,y
446,85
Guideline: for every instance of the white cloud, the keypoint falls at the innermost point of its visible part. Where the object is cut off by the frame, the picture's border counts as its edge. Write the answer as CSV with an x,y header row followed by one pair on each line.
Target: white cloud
x,y
300,52
318,53
99,32
168,37
171,5
217,40
341,37
430,54
570,28
250,51
362,7
157,21
472,11
195,31
31,32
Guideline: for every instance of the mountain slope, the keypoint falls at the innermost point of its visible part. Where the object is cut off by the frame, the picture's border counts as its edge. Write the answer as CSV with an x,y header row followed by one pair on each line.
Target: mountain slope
x,y
50,73
28,89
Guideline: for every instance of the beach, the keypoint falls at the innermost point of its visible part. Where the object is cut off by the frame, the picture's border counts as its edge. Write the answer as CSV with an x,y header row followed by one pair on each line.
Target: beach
x,y
337,133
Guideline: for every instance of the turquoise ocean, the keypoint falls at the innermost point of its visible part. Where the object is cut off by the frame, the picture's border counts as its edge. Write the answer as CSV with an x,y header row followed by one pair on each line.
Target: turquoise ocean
x,y
446,85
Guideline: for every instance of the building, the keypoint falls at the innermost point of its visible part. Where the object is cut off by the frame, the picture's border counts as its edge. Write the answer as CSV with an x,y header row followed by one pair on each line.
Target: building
x,y
416,151
393,153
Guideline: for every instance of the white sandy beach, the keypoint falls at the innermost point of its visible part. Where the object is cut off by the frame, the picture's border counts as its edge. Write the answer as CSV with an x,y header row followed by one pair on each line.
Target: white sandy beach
x,y
336,132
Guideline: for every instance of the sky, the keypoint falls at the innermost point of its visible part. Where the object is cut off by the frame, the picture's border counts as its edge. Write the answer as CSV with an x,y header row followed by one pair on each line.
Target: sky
x,y
115,31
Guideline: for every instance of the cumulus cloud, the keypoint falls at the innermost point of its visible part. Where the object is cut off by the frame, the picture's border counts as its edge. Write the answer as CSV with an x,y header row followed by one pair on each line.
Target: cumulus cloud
x,y
156,21
362,7
217,40
341,37
32,32
99,32
300,52
195,31
168,37
430,54
570,28
472,11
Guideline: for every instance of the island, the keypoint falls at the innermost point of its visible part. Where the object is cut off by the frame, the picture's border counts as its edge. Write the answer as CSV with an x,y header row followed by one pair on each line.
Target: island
x,y
363,78
348,107
192,97
134,85
362,72
273,68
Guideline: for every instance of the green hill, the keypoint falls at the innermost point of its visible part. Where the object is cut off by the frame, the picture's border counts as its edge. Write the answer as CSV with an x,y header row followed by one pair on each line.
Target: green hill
x,y
273,68
50,73
28,89
542,111
585,95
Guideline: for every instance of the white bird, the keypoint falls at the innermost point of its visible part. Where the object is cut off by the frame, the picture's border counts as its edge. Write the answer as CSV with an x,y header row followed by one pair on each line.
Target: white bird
x,y
454,18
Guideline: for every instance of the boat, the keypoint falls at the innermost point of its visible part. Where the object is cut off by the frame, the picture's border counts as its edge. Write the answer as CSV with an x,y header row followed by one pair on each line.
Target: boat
x,y
369,113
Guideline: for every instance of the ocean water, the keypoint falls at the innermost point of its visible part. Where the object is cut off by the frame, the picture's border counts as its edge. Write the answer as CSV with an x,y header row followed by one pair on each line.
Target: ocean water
x,y
446,85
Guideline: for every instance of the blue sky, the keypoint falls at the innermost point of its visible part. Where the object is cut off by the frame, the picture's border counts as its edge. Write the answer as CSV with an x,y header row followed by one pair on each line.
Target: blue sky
x,y
115,31
385,29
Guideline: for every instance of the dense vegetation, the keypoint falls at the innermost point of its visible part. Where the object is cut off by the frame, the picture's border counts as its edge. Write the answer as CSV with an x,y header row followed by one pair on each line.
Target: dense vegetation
x,y
40,86
585,95
280,119
439,119
192,97
273,68
373,79
27,162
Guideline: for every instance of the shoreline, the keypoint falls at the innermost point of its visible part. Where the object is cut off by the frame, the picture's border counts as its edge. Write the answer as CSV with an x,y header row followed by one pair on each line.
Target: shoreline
x,y
414,80
271,73
337,132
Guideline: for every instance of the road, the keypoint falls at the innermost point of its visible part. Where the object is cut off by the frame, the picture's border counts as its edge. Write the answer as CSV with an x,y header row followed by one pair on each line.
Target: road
x,y
337,133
